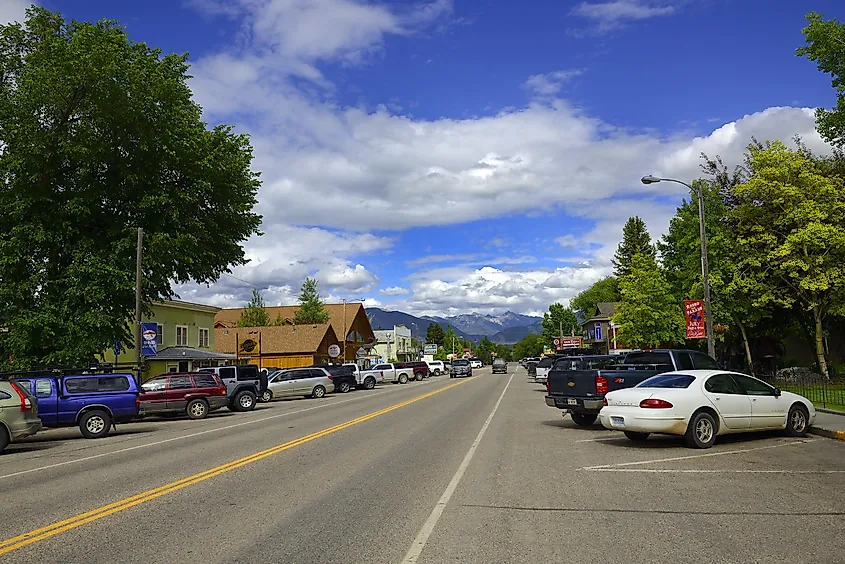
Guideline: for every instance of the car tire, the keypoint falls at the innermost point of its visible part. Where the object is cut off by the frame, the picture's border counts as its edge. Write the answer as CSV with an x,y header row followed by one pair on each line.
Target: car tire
x,y
318,392
403,378
701,432
95,424
369,383
637,437
419,377
4,439
245,401
197,409
437,373
583,419
344,387
796,421
266,396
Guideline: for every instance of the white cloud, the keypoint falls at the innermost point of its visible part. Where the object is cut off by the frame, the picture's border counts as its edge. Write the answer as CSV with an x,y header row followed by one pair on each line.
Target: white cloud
x,y
567,241
550,83
613,14
13,10
394,291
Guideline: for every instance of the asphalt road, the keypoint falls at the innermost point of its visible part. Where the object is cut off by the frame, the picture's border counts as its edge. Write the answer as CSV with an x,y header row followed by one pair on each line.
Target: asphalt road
x,y
468,470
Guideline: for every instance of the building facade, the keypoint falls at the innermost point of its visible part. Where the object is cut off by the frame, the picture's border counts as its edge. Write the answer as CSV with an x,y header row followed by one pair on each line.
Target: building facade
x,y
285,346
395,344
599,331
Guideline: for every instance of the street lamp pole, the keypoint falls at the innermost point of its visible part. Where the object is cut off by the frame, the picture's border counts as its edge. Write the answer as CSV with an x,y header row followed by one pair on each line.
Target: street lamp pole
x,y
705,268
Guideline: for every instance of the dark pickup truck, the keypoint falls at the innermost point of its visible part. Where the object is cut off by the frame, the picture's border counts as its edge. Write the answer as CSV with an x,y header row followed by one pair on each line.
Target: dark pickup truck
x,y
578,384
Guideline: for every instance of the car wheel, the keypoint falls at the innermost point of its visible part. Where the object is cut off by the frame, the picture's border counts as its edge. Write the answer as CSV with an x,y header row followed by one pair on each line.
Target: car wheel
x,y
420,377
637,437
318,392
701,432
245,401
369,383
344,387
95,424
796,421
437,373
4,439
403,378
266,396
584,419
197,409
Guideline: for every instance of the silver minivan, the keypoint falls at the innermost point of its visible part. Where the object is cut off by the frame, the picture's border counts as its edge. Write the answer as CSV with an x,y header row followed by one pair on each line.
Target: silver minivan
x,y
306,382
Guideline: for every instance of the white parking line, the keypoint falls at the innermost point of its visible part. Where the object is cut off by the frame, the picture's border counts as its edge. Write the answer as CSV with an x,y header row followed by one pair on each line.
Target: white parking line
x,y
690,457
428,527
597,440
199,433
663,471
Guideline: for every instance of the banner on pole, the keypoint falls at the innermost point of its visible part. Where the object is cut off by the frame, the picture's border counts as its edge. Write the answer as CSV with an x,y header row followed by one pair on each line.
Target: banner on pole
x,y
149,339
694,310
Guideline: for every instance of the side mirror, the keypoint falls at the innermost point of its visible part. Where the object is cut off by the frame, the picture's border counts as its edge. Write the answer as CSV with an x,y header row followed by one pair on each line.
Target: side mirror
x,y
777,392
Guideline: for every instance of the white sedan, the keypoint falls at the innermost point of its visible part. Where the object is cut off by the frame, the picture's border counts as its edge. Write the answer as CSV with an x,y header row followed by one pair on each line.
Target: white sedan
x,y
702,404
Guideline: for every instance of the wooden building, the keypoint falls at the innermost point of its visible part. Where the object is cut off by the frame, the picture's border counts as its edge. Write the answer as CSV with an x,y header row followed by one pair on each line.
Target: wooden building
x,y
285,346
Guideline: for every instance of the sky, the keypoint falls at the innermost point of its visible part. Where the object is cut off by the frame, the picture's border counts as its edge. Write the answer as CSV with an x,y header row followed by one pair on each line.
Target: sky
x,y
453,156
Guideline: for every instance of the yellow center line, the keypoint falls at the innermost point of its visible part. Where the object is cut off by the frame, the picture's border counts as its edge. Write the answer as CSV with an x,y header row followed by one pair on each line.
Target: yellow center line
x,y
37,535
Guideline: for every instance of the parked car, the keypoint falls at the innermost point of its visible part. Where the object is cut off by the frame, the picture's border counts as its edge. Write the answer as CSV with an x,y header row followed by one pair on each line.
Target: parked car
x,y
436,367
196,395
245,383
394,372
93,402
305,382
579,388
460,367
500,366
702,404
541,371
476,362
18,413
531,367
419,369
342,376
365,379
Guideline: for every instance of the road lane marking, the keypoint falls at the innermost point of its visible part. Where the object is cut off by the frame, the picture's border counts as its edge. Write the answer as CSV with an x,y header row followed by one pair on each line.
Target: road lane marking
x,y
428,527
197,434
693,456
665,471
588,440
58,527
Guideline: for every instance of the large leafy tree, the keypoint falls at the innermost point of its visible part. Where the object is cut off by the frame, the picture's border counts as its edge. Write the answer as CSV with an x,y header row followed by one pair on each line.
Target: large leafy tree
x,y
826,47
530,345
648,316
100,136
604,291
255,315
485,350
635,241
790,225
435,334
311,308
558,320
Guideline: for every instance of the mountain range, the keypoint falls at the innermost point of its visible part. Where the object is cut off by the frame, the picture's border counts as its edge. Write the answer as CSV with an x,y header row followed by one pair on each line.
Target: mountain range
x,y
507,328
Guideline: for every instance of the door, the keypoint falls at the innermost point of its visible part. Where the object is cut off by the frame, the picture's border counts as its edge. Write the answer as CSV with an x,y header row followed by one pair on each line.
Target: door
x,y
177,390
45,395
389,372
282,384
729,400
154,391
767,410
229,377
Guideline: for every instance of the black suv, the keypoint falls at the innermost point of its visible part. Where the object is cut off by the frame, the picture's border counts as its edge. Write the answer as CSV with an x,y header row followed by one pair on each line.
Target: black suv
x,y
342,376
245,384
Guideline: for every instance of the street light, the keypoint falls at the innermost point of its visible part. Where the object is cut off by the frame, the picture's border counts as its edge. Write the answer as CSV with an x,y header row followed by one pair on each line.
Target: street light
x,y
705,269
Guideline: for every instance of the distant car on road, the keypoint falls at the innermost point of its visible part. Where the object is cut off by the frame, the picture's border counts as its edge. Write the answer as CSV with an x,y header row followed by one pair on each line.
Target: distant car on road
x,y
702,404
500,366
476,362
18,413
460,367
394,372
436,367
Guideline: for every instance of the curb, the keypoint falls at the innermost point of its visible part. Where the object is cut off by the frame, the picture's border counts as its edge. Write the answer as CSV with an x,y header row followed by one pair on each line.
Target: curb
x,y
838,435
830,411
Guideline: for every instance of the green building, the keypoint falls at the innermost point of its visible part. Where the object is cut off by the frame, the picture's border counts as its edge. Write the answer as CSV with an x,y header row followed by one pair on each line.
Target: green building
x,y
185,339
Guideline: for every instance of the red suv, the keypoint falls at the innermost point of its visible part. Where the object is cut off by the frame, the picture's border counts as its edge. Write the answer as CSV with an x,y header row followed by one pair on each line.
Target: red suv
x,y
420,369
194,394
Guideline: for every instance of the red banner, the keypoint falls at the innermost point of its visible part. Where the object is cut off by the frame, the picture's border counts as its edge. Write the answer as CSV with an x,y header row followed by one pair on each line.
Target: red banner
x,y
695,319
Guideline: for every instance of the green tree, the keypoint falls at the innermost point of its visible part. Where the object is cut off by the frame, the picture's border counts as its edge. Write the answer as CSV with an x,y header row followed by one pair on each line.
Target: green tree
x,y
604,291
826,47
558,319
435,334
485,350
790,227
311,308
530,345
648,316
635,241
451,342
255,315
100,136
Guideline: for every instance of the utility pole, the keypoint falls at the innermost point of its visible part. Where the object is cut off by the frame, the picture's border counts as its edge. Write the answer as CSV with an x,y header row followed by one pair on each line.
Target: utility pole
x,y
344,330
138,278
705,274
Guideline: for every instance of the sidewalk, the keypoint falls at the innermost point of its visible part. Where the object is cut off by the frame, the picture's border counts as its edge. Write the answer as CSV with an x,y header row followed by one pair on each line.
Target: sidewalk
x,y
829,425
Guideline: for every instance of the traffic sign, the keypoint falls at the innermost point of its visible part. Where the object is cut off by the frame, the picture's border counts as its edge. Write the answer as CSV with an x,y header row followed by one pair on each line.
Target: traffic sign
x,y
334,351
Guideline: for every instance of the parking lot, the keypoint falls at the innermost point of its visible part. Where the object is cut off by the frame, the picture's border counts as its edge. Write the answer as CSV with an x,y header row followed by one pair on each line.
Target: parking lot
x,y
469,470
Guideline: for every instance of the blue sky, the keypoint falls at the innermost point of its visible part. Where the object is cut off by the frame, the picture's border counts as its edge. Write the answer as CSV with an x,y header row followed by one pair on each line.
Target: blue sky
x,y
455,155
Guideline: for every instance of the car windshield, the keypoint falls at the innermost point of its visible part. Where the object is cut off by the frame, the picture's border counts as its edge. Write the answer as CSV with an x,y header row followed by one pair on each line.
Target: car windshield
x,y
667,381
546,362
460,363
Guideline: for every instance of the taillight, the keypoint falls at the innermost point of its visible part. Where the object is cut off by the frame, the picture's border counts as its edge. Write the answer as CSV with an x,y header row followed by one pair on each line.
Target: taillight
x,y
26,405
137,401
653,403
601,385
604,402
330,376
548,386
222,390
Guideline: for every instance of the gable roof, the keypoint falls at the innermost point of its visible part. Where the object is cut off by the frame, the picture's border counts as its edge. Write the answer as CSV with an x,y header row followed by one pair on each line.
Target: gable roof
x,y
230,317
604,311
278,339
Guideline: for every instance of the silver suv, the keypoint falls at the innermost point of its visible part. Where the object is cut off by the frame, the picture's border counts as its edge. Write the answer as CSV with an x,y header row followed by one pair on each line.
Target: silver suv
x,y
460,367
307,382
18,413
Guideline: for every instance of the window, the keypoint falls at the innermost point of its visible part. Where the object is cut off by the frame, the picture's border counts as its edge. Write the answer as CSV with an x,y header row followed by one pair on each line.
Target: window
x,y
203,341
159,333
181,335
648,358
753,386
317,373
684,361
704,361
172,368
89,384
180,382
205,381
4,395
667,381
43,388
722,384
227,373
154,384
248,372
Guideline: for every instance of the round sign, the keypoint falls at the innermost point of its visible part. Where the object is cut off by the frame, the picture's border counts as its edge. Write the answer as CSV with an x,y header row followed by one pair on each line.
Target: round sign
x,y
557,341
334,351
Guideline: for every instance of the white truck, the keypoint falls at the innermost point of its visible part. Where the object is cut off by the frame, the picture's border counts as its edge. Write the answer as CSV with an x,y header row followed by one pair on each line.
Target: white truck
x,y
436,367
393,372
366,379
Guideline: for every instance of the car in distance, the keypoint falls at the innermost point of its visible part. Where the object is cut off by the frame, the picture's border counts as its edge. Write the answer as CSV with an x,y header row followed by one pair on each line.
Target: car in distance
x,y
460,367
703,404
436,367
18,413
193,394
476,362
500,366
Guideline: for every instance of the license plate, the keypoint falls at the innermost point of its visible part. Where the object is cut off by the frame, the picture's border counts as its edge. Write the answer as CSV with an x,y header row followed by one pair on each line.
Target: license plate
x,y
617,421
572,401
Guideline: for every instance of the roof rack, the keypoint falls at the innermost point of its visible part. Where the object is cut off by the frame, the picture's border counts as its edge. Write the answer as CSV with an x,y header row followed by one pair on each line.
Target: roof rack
x,y
68,370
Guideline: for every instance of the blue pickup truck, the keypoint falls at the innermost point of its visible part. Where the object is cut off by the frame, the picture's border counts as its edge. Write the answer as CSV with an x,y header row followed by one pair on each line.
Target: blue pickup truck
x,y
94,402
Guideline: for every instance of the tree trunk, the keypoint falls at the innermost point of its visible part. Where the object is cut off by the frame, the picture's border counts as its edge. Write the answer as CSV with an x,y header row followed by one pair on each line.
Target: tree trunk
x,y
747,347
817,314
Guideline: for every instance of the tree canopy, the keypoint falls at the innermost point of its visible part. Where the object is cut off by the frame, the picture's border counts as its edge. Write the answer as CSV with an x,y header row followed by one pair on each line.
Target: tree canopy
x,y
255,315
435,334
99,136
604,291
559,320
530,345
311,310
826,47
635,241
